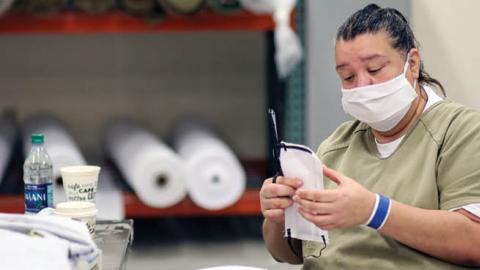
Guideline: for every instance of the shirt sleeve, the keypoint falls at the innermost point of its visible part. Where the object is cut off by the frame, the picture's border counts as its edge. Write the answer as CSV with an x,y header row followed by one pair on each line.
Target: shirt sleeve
x,y
473,208
458,163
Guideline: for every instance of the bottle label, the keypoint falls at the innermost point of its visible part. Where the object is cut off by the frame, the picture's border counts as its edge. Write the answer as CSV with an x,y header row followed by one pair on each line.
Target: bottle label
x,y
38,197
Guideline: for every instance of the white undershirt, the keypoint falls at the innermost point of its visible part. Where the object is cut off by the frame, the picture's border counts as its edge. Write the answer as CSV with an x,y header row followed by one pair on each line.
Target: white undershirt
x,y
386,149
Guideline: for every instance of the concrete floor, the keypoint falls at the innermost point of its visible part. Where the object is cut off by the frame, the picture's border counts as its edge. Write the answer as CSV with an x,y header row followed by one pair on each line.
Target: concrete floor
x,y
187,256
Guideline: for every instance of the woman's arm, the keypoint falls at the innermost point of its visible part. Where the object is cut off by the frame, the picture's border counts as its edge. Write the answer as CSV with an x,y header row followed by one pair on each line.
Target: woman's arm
x,y
277,245
450,236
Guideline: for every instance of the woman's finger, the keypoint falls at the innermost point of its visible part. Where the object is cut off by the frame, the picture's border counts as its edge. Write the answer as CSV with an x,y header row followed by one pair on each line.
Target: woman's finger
x,y
277,190
314,207
327,195
276,203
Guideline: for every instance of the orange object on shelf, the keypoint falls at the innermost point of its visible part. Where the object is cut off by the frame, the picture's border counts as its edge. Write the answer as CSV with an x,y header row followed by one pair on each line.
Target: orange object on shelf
x,y
12,204
75,22
248,205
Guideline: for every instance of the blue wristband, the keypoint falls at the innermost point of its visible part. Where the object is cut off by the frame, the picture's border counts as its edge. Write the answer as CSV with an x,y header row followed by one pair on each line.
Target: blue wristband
x,y
381,213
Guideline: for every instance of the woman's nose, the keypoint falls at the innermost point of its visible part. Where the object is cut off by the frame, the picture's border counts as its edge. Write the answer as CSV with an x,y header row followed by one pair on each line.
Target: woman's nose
x,y
363,80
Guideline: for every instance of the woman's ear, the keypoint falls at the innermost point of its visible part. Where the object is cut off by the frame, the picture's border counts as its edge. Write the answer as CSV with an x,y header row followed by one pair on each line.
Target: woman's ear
x,y
415,61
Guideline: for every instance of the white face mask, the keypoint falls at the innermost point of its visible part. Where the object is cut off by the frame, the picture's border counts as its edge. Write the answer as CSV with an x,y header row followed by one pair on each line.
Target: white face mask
x,y
381,106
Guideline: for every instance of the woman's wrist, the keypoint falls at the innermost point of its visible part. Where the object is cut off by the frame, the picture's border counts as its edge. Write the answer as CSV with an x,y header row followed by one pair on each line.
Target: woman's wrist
x,y
380,212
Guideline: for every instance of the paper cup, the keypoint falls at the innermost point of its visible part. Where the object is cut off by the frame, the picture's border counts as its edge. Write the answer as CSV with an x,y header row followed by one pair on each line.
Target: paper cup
x,y
80,182
85,212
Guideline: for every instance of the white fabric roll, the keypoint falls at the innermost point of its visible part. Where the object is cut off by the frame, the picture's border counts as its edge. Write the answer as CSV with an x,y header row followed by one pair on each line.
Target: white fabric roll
x,y
153,170
216,178
60,145
7,140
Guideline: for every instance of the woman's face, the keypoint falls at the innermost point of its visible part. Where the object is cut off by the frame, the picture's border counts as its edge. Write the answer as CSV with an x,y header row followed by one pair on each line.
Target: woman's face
x,y
369,59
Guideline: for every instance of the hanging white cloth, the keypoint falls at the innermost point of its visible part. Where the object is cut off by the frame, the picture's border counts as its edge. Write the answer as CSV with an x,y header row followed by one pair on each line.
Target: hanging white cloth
x,y
288,47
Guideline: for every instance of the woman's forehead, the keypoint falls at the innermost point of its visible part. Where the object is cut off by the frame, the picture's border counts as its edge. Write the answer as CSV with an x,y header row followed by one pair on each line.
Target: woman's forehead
x,y
363,47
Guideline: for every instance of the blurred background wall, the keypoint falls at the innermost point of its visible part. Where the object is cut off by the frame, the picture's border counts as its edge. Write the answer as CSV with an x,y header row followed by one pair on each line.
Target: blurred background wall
x,y
448,35
86,80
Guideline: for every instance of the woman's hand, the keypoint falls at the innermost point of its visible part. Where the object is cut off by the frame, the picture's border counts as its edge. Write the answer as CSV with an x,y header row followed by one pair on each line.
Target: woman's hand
x,y
275,197
348,205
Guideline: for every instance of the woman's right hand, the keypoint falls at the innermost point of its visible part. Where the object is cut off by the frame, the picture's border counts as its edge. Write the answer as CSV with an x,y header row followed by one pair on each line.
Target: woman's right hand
x,y
275,197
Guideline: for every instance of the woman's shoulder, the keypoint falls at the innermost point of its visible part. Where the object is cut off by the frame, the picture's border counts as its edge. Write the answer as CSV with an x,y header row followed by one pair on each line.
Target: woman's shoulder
x,y
342,136
448,118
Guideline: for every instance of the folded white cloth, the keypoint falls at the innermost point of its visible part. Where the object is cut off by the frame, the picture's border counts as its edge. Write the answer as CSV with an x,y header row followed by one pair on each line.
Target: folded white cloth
x,y
299,161
44,242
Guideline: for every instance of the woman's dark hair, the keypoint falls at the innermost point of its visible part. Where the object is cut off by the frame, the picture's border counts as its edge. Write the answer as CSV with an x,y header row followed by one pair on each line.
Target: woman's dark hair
x,y
373,19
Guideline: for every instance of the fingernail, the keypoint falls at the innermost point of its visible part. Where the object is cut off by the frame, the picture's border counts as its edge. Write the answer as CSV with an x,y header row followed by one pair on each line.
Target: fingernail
x,y
295,197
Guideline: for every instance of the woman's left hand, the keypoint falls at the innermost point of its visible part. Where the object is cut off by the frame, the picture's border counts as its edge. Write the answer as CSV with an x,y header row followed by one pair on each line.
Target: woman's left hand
x,y
348,205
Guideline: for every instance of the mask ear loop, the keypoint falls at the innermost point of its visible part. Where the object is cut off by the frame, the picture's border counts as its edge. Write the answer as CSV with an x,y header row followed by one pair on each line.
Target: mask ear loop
x,y
277,145
405,68
276,157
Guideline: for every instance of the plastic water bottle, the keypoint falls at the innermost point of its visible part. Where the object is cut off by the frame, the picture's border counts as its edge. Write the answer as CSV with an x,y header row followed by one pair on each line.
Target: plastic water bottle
x,y
38,177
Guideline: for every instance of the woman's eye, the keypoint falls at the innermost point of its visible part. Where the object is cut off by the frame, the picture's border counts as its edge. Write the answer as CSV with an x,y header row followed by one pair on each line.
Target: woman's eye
x,y
374,70
348,79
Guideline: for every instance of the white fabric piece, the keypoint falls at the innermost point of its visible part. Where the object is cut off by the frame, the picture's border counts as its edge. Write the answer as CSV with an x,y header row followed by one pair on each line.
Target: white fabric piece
x,y
288,47
216,178
60,145
298,161
153,170
44,242
381,105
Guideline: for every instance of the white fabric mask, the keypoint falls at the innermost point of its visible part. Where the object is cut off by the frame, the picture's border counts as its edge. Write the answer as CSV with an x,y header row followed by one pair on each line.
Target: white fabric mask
x,y
298,161
381,106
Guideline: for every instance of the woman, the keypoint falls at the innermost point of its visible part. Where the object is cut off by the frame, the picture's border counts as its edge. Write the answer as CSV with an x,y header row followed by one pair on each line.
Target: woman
x,y
403,179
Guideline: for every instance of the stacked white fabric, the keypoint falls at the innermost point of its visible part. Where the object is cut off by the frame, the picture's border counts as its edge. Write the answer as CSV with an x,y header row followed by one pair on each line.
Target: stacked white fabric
x,y
7,140
60,145
216,178
45,242
153,170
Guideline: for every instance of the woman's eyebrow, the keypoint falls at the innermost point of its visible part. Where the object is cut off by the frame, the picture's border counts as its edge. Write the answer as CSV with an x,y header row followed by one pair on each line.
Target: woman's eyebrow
x,y
373,56
364,59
